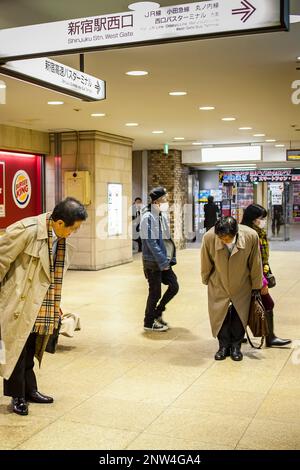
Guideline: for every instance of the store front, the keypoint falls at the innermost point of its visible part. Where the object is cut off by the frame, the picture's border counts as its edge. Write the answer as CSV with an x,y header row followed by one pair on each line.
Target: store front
x,y
21,192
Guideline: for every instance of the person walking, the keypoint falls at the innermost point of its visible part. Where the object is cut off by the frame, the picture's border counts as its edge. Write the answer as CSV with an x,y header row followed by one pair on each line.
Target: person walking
x,y
231,268
211,212
159,255
34,257
255,217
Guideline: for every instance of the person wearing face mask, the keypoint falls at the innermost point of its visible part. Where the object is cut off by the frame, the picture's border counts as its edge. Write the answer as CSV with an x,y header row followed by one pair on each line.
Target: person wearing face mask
x,y
136,219
255,217
231,268
159,255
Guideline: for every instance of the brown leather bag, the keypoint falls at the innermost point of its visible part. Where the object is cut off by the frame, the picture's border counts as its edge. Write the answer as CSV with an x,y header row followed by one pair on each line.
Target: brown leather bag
x,y
257,321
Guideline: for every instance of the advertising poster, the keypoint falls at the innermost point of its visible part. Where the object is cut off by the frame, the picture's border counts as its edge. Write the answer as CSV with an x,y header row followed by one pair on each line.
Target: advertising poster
x,y
2,189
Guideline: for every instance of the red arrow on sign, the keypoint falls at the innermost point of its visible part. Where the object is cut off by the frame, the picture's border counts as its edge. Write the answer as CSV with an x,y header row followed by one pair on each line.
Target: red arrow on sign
x,y
247,11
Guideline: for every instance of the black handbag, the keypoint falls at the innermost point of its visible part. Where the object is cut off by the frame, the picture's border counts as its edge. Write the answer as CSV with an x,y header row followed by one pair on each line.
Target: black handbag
x,y
53,339
270,279
257,321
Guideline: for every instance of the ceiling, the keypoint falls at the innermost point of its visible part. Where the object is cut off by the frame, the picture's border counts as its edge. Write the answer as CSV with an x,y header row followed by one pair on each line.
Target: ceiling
x,y
248,77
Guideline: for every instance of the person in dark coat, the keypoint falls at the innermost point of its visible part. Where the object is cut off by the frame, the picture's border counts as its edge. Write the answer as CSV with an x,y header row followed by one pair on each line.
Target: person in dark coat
x,y
211,212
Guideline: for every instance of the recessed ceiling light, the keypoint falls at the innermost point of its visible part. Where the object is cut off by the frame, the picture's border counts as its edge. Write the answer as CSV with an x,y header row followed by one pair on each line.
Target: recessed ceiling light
x,y
197,143
144,6
56,103
137,73
229,119
245,128
178,138
270,140
98,114
206,108
259,135
157,132
279,145
177,93
131,124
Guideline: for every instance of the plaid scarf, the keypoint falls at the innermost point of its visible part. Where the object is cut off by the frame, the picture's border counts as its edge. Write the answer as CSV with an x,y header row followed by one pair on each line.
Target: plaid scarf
x,y
264,244
48,317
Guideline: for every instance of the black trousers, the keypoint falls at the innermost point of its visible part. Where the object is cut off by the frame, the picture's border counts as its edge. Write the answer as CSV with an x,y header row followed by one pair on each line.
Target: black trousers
x,y
155,304
22,380
232,331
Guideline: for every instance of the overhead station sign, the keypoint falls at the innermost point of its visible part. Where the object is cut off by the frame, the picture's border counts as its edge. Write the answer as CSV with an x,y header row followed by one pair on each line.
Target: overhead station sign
x,y
59,77
187,21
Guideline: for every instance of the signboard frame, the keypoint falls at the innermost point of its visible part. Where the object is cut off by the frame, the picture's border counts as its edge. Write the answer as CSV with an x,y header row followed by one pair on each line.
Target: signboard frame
x,y
290,153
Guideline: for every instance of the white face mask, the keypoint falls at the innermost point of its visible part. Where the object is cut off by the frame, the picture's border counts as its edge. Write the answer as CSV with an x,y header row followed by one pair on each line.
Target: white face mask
x,y
261,223
164,207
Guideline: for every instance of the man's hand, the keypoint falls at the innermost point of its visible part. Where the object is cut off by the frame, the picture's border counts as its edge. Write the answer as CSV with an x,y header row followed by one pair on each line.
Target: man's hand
x,y
264,290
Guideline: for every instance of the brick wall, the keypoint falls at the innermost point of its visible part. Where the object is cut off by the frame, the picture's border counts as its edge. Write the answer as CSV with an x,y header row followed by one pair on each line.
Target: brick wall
x,y
169,172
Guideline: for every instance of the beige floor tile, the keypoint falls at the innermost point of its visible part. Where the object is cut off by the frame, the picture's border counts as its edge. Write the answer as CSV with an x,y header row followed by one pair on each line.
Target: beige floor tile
x,y
146,441
271,435
231,402
66,435
283,405
113,413
198,426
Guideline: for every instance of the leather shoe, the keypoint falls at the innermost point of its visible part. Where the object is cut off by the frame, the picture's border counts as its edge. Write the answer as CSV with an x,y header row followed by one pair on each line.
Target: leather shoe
x,y
236,354
19,406
222,353
37,397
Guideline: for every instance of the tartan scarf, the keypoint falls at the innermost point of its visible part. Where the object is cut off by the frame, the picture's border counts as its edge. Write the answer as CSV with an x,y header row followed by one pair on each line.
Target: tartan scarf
x,y
264,244
48,316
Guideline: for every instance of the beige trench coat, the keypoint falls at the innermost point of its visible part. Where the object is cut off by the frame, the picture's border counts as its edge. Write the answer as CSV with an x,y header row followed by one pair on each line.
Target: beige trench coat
x,y
25,279
230,277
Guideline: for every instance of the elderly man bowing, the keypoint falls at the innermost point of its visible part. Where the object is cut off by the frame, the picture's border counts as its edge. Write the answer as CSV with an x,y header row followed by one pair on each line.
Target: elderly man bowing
x,y
231,267
34,256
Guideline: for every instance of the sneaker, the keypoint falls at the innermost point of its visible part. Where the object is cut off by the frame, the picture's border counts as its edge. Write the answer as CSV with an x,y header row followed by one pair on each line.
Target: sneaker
x,y
162,322
157,326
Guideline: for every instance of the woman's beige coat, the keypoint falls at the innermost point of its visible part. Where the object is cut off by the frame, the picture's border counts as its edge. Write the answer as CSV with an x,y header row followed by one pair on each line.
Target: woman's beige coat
x,y
24,281
230,277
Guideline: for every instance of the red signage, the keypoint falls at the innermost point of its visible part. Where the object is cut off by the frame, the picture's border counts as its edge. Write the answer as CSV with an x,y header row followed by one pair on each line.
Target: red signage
x,y
22,195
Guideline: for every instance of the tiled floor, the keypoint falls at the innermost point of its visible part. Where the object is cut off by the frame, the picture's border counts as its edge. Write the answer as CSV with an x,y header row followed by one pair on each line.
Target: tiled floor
x,y
116,387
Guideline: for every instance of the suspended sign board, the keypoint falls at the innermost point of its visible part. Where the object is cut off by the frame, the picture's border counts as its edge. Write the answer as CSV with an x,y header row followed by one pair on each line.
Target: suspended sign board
x,y
59,77
188,21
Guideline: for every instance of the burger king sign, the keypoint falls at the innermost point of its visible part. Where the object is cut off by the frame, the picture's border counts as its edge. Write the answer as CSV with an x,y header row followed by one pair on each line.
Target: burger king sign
x,y
21,189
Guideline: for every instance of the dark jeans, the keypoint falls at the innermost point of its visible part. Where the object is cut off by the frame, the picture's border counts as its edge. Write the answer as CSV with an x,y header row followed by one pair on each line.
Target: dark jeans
x,y
22,380
232,330
155,304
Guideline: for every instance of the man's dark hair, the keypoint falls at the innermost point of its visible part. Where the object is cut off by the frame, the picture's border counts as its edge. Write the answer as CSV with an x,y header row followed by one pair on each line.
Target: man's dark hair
x,y
138,199
253,212
210,199
70,211
226,226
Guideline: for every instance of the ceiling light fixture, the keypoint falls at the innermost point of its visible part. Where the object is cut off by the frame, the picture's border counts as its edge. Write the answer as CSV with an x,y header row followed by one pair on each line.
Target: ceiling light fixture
x,y
177,93
245,128
55,103
197,143
229,119
206,108
143,6
178,138
157,132
259,135
270,140
131,124
98,114
137,73
279,145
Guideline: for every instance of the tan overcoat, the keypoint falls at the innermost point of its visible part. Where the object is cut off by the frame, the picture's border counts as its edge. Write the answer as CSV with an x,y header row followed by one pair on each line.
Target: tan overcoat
x,y
230,277
24,281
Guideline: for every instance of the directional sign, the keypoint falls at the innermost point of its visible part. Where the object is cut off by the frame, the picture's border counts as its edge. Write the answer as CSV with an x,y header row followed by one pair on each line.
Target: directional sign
x,y
59,77
188,21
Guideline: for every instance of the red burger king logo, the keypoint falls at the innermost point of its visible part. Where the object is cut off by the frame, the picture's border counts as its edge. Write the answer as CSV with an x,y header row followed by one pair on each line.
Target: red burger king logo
x,y
21,189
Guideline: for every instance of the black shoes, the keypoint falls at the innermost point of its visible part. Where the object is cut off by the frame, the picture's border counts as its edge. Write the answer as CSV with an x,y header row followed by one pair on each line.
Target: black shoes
x,y
236,354
222,354
19,406
37,397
